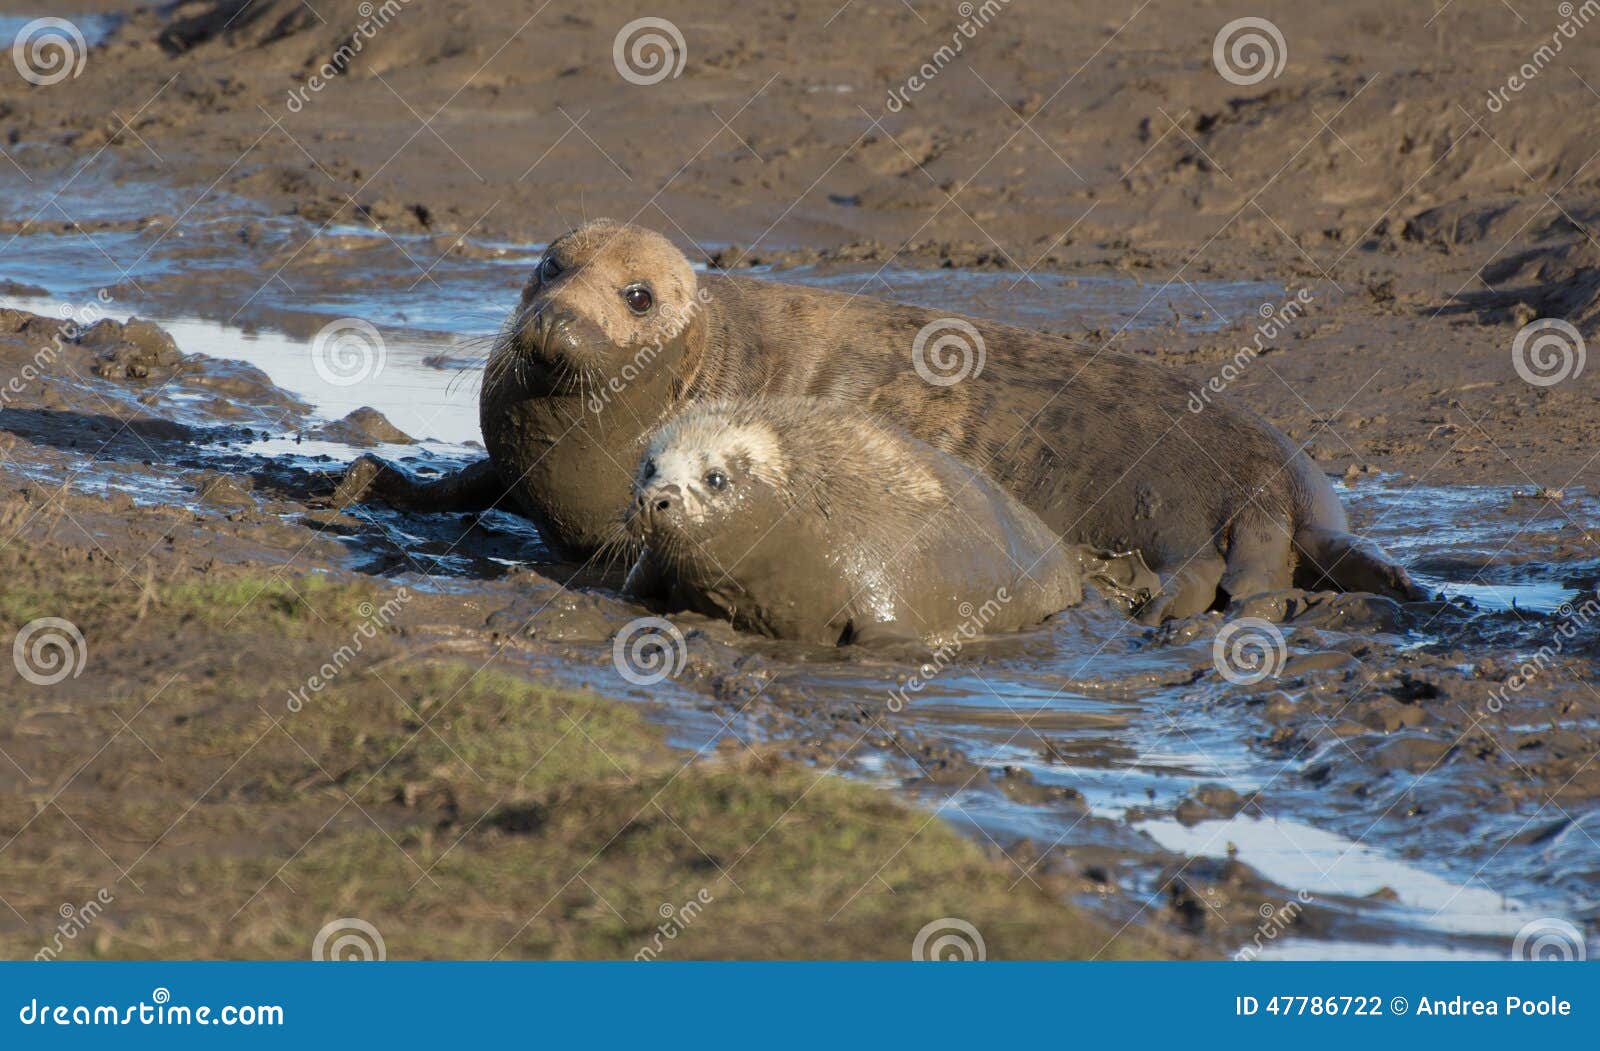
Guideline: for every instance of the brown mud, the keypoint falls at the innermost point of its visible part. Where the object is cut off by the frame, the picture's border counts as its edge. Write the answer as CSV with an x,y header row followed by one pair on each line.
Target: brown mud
x,y
1077,169
255,741
1067,137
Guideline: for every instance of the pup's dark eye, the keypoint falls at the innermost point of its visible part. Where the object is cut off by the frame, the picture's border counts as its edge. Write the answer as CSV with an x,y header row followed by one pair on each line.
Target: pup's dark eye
x,y
649,468
638,298
549,270
717,480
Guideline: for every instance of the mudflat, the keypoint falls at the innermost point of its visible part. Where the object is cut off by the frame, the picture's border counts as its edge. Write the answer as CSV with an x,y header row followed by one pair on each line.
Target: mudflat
x,y
1382,238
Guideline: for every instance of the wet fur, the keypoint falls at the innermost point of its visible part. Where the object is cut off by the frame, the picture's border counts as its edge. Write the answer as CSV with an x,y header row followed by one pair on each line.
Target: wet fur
x,y
1099,444
847,529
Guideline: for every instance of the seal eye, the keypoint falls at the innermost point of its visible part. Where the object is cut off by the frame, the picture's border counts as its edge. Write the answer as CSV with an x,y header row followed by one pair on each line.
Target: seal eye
x,y
549,270
650,468
717,480
638,298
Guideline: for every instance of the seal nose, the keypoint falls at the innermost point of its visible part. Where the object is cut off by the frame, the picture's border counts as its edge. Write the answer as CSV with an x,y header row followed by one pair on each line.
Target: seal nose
x,y
659,501
558,335
552,331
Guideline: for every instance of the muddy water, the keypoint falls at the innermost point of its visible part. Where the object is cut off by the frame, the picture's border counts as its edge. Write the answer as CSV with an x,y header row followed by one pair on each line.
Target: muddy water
x,y
1108,740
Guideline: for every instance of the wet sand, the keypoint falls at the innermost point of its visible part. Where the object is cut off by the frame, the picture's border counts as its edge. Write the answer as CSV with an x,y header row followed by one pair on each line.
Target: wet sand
x,y
1390,769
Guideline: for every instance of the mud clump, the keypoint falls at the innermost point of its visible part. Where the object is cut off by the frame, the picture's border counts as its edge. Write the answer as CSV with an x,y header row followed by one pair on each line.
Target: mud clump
x,y
364,428
228,491
130,350
237,23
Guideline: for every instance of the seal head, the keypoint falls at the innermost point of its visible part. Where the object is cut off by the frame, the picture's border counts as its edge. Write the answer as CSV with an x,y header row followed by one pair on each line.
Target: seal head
x,y
599,294
597,352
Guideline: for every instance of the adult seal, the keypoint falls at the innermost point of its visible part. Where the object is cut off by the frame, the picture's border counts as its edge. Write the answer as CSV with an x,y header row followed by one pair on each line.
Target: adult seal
x,y
811,520
615,331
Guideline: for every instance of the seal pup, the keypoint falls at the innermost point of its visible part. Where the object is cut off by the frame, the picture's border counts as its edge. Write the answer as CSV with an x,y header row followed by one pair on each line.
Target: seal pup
x,y
810,520
615,331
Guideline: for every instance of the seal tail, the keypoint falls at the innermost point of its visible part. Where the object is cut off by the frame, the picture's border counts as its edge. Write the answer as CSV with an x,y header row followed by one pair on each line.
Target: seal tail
x,y
1333,559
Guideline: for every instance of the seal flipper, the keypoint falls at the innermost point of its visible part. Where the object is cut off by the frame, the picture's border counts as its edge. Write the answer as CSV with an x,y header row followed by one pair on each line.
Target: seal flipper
x,y
476,487
1187,590
1121,576
1258,557
1333,558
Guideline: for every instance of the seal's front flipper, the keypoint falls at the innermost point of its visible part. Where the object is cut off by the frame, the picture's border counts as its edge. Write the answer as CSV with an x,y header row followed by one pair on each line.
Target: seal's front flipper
x,y
1258,558
476,487
1331,559
1121,576
1189,589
